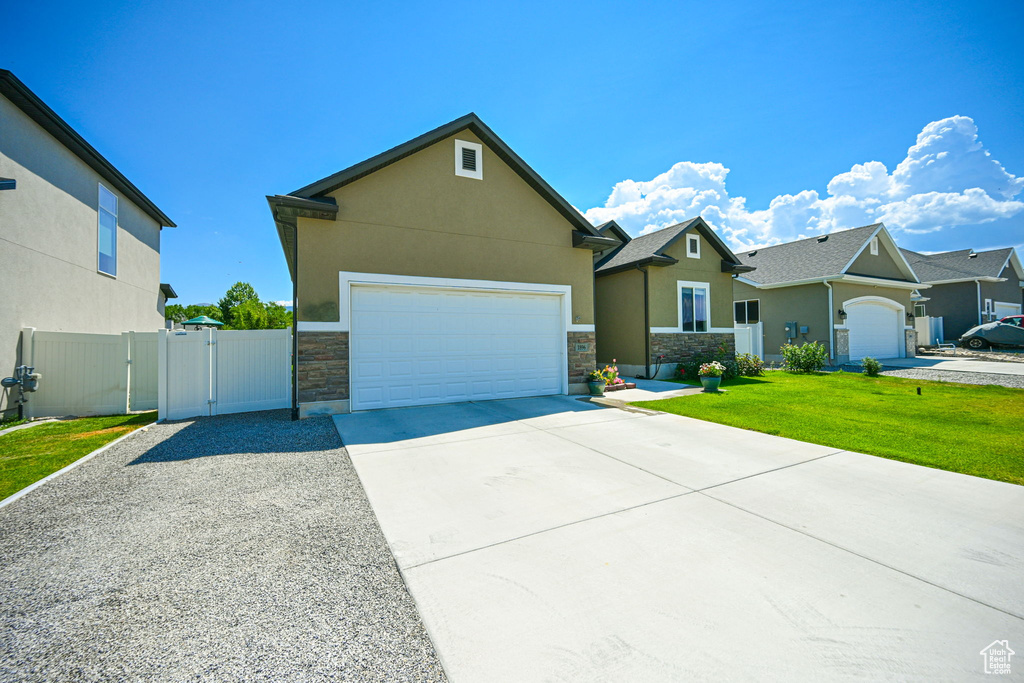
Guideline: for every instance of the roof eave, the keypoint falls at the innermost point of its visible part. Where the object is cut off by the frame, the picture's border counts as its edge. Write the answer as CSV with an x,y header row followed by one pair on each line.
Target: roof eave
x,y
287,210
656,260
592,242
37,110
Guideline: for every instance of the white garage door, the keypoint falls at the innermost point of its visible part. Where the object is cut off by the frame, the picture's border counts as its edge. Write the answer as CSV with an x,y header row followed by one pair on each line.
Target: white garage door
x,y
876,330
421,345
1004,309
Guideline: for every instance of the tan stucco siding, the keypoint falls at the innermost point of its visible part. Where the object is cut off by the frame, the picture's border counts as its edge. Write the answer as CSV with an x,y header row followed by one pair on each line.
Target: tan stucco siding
x,y
48,237
805,304
881,264
416,217
664,298
619,304
844,292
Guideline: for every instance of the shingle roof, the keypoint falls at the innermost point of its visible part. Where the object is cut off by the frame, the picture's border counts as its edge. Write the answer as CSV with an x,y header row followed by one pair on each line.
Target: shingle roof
x,y
806,259
957,265
644,247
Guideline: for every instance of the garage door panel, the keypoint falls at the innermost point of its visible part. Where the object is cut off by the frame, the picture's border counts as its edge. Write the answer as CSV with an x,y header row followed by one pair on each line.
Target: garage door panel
x,y
875,330
412,346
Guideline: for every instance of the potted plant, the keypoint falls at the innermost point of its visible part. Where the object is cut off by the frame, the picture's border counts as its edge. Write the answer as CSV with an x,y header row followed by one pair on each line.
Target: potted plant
x,y
596,382
711,376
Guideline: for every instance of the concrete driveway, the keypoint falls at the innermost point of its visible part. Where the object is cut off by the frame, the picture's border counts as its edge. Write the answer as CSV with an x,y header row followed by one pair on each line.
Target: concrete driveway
x,y
549,539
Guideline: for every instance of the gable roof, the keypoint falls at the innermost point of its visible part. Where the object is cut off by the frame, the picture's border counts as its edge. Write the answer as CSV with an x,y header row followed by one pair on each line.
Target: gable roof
x,y
615,231
817,258
469,122
33,107
959,265
650,248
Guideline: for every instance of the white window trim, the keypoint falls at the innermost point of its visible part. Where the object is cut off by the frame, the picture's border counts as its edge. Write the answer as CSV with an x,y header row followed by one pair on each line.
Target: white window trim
x,y
678,329
692,239
744,301
874,246
99,215
478,174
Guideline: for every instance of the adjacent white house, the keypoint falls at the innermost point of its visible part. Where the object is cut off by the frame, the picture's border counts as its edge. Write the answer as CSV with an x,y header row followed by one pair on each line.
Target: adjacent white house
x,y
79,243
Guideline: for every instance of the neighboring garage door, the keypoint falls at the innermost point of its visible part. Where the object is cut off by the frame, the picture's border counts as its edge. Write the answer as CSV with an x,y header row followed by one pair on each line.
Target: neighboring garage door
x,y
1003,309
876,330
421,345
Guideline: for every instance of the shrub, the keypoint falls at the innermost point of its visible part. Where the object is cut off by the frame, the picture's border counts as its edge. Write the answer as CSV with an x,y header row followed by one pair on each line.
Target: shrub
x,y
690,369
871,366
810,357
749,365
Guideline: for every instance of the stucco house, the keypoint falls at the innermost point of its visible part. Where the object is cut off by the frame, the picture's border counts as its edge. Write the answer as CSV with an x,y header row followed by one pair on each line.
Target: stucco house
x,y
442,270
664,297
969,288
81,243
851,290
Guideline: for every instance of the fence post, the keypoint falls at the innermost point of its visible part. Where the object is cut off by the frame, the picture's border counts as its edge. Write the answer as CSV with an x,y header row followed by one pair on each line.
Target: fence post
x,y
161,379
28,353
126,348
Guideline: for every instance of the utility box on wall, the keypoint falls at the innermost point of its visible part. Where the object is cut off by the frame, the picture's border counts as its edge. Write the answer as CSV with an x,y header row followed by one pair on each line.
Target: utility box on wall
x,y
791,330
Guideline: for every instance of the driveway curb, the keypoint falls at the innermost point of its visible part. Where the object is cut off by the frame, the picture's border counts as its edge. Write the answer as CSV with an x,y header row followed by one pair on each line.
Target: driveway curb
x,y
88,456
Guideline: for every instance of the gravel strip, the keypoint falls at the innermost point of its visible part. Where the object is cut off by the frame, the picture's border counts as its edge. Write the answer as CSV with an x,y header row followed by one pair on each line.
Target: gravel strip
x,y
1013,381
234,548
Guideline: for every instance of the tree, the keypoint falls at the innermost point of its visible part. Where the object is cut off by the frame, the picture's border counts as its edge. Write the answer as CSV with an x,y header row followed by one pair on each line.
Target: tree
x,y
278,317
249,315
239,293
175,312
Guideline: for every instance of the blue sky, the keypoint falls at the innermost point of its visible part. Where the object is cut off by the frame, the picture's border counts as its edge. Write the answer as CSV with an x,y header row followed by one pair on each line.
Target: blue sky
x,y
765,118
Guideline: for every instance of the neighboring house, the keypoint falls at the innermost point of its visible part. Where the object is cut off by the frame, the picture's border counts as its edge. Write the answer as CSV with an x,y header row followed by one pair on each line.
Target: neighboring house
x,y
851,290
442,270
969,288
664,297
81,244
166,292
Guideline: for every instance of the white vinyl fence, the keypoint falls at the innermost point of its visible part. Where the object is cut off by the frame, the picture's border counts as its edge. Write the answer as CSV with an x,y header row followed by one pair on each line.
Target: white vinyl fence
x,y
211,372
929,330
750,339
91,374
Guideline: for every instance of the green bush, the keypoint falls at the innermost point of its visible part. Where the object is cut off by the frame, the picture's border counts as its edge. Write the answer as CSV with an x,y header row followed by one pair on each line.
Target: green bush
x,y
871,366
749,365
810,357
690,369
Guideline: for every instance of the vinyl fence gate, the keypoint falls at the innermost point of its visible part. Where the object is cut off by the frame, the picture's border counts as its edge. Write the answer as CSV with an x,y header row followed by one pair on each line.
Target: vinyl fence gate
x,y
750,338
215,372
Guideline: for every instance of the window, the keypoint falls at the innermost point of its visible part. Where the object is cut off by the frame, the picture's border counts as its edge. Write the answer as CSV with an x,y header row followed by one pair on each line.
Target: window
x,y
747,312
107,238
694,315
919,311
693,246
469,159
874,246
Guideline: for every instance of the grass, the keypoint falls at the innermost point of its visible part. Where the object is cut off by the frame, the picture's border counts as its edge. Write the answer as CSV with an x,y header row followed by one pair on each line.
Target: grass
x,y
28,455
963,428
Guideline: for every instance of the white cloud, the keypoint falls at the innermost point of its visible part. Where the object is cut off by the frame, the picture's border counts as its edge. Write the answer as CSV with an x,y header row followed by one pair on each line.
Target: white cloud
x,y
946,179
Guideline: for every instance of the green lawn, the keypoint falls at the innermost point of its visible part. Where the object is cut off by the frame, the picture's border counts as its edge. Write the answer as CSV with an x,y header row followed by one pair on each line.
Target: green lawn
x,y
958,427
28,455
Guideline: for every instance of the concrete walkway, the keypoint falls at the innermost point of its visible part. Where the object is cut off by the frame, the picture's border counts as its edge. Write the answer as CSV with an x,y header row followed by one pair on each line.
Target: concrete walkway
x,y
551,539
957,365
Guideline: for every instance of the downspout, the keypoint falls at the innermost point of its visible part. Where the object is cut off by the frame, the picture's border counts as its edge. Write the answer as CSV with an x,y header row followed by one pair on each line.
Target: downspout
x,y
978,283
647,326
831,323
295,323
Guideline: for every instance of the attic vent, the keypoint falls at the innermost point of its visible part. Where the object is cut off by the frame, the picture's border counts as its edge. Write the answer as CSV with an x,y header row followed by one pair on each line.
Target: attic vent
x,y
972,255
468,159
469,162
823,238
753,253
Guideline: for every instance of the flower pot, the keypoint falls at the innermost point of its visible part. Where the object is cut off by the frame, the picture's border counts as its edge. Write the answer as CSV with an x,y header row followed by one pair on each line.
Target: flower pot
x,y
710,384
596,388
